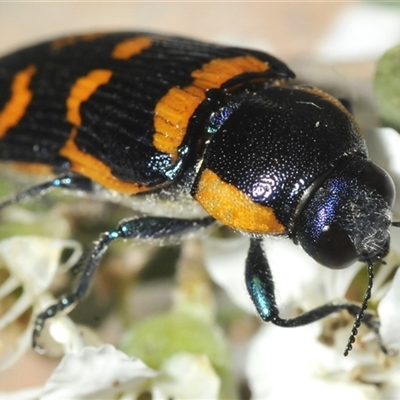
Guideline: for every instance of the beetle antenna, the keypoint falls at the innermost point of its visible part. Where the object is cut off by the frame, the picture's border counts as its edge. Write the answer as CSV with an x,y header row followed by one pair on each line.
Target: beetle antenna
x,y
363,307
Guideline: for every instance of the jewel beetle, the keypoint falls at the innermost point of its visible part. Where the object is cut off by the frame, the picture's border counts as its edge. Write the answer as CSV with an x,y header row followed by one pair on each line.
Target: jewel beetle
x,y
191,134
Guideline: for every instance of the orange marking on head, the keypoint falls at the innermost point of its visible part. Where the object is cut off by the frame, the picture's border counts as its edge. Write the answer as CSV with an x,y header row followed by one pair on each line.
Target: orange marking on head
x,y
174,110
20,98
131,47
91,167
83,88
233,208
71,40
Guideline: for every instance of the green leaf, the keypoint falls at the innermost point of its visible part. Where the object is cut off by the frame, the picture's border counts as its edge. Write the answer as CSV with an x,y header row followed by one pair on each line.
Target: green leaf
x,y
387,87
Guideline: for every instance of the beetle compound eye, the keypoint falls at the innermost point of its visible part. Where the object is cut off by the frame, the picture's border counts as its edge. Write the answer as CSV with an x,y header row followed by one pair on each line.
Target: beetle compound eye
x,y
334,248
378,180
327,243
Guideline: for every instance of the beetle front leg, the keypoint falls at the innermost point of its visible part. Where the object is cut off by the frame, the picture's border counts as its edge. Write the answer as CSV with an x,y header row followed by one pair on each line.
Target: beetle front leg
x,y
260,286
144,228
260,283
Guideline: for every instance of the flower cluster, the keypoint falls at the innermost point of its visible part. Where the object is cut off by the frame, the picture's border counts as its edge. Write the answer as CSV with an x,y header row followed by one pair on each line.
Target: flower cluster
x,y
193,357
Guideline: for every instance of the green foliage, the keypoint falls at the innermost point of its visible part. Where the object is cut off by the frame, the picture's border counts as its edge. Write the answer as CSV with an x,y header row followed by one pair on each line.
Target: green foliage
x,y
160,337
387,87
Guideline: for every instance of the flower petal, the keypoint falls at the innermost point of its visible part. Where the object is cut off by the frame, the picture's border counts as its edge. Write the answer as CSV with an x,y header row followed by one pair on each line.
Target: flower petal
x,y
188,376
285,362
225,261
36,266
383,146
96,373
24,394
388,310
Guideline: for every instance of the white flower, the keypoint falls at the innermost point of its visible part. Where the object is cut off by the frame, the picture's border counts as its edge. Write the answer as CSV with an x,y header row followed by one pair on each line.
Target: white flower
x,y
389,314
107,373
32,263
321,371
87,372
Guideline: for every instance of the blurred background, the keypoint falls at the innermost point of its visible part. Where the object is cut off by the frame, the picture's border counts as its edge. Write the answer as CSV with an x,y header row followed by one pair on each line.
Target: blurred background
x,y
332,44
345,36
330,30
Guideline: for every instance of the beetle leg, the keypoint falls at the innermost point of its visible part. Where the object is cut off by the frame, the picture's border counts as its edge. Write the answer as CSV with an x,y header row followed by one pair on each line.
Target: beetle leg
x,y
144,228
260,283
67,181
260,286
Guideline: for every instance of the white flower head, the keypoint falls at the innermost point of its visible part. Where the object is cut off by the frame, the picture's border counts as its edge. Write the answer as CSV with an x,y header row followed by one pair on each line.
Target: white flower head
x,y
107,373
32,263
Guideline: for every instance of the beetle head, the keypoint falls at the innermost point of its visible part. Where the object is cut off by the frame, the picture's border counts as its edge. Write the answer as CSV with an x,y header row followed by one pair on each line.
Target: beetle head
x,y
348,217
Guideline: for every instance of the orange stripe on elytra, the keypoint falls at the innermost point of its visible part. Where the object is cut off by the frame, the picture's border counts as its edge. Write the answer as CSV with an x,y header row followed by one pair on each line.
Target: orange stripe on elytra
x,y
20,98
82,162
234,208
83,88
174,110
130,47
91,167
